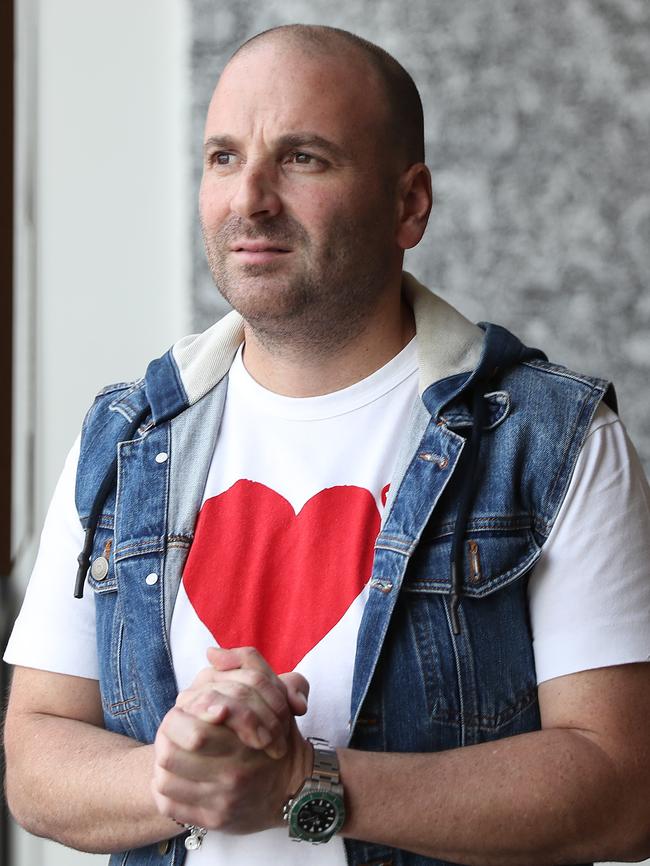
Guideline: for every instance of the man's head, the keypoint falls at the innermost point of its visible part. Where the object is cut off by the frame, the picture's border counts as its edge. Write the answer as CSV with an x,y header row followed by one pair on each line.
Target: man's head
x,y
403,117
310,195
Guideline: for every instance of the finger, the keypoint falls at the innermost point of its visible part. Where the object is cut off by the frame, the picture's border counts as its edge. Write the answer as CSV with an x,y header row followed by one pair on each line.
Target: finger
x,y
185,787
271,689
207,674
192,734
297,692
245,712
197,701
246,657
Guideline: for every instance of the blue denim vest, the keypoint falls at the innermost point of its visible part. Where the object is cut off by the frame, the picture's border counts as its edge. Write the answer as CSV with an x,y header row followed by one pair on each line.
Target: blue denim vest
x,y
418,686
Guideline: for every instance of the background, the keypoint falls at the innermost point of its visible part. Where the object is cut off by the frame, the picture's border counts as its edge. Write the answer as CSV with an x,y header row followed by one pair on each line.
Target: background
x,y
538,116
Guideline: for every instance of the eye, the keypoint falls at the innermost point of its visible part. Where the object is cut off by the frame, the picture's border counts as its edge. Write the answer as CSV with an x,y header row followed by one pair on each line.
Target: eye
x,y
220,158
305,160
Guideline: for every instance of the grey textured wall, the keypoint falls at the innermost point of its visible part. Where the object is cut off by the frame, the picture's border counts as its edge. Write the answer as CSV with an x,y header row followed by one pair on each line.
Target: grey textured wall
x,y
538,123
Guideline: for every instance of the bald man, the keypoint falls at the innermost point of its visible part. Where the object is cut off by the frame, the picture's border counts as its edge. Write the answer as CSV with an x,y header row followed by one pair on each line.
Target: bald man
x,y
354,570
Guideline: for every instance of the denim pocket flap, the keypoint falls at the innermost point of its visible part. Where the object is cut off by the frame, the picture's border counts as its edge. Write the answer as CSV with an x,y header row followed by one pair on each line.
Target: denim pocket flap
x,y
494,556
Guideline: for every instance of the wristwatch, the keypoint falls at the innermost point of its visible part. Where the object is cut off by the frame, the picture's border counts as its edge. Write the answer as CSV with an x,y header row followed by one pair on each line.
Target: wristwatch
x,y
317,810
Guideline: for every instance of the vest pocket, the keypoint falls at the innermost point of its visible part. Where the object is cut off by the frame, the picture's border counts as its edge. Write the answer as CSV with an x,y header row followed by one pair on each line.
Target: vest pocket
x,y
480,684
497,551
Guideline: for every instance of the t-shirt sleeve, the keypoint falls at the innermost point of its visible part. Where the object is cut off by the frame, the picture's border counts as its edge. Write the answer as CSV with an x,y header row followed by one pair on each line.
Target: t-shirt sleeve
x,y
589,595
55,631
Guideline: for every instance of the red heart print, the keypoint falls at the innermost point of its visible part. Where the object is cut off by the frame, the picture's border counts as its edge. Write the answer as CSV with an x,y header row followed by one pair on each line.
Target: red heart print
x,y
258,574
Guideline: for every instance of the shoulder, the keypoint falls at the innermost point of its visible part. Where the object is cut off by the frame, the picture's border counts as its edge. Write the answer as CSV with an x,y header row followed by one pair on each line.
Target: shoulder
x,y
549,379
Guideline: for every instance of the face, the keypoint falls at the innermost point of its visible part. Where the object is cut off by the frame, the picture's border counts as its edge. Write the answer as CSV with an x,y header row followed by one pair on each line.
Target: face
x,y
298,203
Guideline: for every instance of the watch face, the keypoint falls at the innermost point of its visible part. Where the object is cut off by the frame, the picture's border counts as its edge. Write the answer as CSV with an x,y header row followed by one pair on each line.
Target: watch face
x,y
317,815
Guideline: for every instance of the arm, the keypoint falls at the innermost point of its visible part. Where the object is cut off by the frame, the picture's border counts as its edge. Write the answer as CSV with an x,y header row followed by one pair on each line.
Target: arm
x,y
69,779
575,791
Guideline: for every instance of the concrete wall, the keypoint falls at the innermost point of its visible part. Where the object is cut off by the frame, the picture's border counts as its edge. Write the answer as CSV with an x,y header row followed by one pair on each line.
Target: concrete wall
x,y
537,137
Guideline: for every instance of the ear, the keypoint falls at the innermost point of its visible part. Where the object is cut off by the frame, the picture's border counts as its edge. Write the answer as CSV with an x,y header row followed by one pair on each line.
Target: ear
x,y
414,205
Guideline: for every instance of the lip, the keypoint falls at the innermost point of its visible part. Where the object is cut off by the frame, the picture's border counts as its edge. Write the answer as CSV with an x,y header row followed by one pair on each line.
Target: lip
x,y
257,247
257,253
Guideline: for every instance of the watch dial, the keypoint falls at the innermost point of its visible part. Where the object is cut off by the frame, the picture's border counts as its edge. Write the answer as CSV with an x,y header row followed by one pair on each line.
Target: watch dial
x,y
317,816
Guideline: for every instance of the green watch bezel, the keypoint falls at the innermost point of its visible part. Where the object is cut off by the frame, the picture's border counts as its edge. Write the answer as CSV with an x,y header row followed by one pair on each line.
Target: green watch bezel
x,y
301,800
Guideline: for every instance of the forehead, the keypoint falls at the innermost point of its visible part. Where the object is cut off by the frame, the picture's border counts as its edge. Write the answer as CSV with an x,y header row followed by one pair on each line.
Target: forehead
x,y
277,88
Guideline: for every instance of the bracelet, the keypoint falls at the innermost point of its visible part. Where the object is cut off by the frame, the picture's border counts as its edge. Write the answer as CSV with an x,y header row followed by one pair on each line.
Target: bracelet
x,y
195,838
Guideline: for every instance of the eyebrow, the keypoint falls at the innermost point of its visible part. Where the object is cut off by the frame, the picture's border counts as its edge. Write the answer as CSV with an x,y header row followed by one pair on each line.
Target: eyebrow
x,y
291,140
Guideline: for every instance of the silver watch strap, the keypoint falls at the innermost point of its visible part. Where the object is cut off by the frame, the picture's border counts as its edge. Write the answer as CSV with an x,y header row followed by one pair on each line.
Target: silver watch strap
x,y
326,763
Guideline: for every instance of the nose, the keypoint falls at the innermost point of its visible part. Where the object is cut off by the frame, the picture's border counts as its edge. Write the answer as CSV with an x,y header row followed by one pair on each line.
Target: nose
x,y
256,194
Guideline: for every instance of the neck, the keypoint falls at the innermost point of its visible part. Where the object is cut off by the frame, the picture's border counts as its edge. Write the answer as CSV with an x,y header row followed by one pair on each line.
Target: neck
x,y
303,371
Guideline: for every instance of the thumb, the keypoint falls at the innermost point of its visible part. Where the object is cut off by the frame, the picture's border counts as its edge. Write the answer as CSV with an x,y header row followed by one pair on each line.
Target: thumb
x,y
297,692
222,659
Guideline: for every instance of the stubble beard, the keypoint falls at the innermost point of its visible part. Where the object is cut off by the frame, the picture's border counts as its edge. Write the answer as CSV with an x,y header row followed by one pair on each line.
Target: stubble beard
x,y
319,307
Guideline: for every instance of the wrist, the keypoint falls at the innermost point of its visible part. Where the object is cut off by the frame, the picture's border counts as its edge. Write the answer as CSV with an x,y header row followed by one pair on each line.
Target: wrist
x,y
302,766
315,812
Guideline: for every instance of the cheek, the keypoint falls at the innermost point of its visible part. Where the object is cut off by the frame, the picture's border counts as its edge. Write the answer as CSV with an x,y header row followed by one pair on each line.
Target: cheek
x,y
212,205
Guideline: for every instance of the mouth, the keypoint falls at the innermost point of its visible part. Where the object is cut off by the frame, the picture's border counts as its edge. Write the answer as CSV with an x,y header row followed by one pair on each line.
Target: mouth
x,y
258,252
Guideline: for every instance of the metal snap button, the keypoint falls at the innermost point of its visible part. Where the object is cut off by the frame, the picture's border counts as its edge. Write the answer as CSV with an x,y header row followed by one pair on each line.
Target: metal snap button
x,y
99,568
151,578
161,457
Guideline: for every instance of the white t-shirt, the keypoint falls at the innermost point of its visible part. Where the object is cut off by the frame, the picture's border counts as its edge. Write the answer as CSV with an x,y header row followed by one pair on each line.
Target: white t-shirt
x,y
296,491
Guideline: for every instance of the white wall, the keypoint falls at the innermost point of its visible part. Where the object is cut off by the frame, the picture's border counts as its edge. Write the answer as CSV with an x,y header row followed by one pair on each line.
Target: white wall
x,y
103,233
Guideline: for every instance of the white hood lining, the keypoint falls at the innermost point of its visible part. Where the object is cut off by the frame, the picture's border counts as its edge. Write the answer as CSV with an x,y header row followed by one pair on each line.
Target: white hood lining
x,y
447,342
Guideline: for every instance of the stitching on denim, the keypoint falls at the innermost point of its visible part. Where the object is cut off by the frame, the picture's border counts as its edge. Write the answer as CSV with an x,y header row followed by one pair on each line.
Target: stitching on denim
x,y
106,521
489,722
564,372
503,522
490,585
103,586
120,708
144,546
121,412
403,551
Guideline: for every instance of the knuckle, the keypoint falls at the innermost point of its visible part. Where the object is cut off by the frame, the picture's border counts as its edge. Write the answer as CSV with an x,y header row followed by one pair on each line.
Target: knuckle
x,y
249,717
232,780
256,679
239,691
164,788
165,755
221,816
196,739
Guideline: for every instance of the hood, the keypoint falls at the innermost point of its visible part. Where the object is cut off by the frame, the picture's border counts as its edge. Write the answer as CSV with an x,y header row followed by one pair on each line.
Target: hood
x,y
451,349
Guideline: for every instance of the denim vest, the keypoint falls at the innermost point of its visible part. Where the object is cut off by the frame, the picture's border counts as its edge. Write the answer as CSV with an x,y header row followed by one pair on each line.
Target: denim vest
x,y
418,686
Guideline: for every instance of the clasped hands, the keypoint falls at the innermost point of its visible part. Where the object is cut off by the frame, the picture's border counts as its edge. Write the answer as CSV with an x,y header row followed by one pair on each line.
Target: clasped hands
x,y
229,754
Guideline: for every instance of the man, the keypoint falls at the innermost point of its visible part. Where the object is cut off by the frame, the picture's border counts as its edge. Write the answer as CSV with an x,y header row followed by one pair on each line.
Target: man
x,y
362,412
